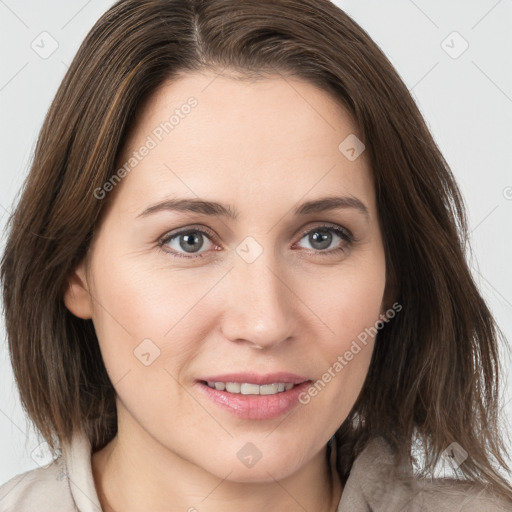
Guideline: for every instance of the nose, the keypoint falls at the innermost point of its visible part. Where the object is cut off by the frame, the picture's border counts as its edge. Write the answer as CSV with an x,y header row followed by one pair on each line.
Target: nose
x,y
260,309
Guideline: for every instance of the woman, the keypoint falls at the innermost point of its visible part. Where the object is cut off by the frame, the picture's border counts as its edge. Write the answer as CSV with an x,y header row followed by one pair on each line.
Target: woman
x,y
326,322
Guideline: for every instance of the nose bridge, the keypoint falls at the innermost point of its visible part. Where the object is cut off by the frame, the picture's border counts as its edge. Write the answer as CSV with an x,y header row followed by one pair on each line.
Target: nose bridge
x,y
259,310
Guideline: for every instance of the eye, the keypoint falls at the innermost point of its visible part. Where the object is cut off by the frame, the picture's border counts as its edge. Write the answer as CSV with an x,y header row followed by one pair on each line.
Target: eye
x,y
321,237
192,240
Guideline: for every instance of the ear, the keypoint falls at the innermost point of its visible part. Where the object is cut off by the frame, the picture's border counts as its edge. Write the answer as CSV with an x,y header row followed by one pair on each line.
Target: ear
x,y
76,293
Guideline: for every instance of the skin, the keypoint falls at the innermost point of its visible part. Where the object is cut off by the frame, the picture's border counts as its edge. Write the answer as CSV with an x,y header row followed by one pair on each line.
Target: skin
x,y
262,147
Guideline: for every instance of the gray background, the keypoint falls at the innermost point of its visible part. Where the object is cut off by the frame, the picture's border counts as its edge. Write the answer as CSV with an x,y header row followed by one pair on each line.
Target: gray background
x,y
465,96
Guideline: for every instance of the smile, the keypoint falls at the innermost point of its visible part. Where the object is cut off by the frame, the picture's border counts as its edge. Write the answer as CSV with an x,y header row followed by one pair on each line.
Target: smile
x,y
252,396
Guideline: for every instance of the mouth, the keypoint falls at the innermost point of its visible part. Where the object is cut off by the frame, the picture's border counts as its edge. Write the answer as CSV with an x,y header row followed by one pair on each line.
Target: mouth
x,y
252,396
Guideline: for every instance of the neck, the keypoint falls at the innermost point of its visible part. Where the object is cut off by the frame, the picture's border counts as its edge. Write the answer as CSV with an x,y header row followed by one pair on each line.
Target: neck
x,y
141,474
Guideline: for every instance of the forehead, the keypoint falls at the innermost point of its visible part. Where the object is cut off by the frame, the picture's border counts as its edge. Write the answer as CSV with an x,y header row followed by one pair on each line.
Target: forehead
x,y
207,135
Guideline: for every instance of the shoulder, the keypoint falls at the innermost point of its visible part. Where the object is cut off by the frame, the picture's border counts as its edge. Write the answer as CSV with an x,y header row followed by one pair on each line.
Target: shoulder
x,y
44,489
456,495
66,484
375,484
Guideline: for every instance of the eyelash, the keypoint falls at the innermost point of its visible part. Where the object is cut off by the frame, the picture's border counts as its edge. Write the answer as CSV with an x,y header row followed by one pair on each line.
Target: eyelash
x,y
343,233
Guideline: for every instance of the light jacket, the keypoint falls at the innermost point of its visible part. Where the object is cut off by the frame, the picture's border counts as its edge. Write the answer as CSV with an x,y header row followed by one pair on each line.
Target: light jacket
x,y
67,485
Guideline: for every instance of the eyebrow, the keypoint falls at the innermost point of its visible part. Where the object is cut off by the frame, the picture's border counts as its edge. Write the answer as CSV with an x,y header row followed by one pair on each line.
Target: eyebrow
x,y
213,208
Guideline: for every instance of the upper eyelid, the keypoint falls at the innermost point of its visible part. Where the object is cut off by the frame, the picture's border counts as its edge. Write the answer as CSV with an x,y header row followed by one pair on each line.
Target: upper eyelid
x,y
187,229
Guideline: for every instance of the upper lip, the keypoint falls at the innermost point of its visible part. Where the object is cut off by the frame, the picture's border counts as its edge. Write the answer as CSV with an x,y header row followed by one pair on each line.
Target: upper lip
x,y
255,378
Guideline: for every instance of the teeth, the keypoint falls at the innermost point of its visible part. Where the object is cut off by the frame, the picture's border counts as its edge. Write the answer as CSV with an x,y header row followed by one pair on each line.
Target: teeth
x,y
247,388
233,387
268,389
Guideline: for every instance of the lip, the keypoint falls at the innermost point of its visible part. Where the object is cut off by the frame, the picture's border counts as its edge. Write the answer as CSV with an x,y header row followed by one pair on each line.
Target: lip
x,y
255,407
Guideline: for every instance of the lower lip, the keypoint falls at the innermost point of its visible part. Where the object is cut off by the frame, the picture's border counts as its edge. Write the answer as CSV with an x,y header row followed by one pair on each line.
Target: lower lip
x,y
255,407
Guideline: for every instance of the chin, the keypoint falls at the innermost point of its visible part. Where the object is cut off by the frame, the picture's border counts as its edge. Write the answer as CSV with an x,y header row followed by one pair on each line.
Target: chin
x,y
243,469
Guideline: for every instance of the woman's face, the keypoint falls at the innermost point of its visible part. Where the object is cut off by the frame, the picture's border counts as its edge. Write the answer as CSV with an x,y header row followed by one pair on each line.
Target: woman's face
x,y
260,287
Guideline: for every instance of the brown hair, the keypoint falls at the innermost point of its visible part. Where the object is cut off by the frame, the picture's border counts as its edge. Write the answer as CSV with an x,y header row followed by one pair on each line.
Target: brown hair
x,y
434,370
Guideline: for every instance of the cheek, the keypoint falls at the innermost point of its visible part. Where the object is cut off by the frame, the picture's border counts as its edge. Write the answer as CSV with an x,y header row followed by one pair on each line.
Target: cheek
x,y
147,316
350,303
350,309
